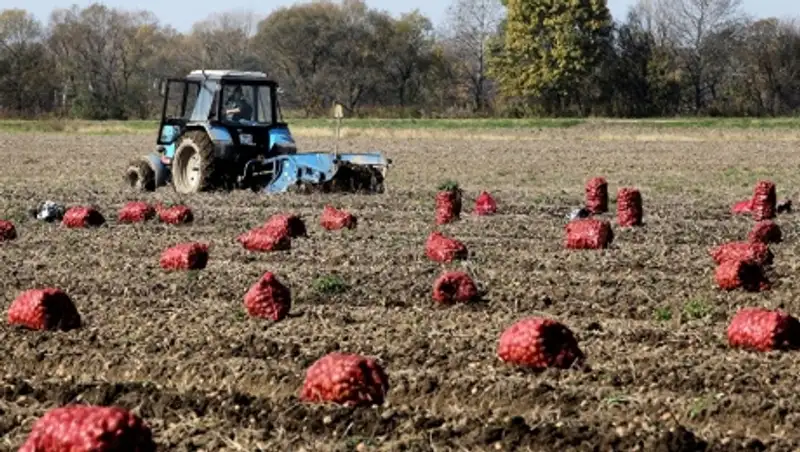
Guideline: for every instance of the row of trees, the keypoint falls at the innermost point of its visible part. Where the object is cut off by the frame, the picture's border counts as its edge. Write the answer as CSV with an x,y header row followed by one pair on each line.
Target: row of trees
x,y
489,57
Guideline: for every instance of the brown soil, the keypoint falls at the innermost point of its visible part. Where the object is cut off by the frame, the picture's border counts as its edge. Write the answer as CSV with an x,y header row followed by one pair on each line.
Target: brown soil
x,y
178,349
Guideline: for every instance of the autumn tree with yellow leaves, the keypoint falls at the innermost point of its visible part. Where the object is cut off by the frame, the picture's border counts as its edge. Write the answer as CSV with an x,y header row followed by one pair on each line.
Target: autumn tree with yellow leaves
x,y
550,46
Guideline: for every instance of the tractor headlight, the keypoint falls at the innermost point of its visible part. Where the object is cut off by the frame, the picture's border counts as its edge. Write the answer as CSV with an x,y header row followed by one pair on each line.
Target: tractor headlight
x,y
246,139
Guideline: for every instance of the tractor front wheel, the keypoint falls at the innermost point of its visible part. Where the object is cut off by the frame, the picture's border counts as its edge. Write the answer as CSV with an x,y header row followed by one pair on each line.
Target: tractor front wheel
x,y
193,164
140,175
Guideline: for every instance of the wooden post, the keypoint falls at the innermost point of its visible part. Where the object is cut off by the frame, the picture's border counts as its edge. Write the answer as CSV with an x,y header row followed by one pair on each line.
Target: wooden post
x,y
338,113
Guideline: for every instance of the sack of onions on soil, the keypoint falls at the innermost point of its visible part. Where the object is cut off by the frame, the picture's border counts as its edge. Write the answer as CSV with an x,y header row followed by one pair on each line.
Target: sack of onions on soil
x,y
89,428
761,329
755,251
178,214
746,207
454,287
345,379
333,219
7,231
596,191
448,203
765,231
629,207
588,234
764,204
266,239
539,343
136,212
268,299
287,224
485,204
83,217
44,309
185,256
742,207
440,248
744,274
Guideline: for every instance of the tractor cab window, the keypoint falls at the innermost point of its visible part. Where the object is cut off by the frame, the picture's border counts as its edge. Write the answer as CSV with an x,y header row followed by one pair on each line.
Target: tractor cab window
x,y
238,102
265,105
203,106
247,103
180,99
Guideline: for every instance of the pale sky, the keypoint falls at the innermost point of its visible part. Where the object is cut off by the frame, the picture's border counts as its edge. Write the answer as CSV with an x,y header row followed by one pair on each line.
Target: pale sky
x,y
181,14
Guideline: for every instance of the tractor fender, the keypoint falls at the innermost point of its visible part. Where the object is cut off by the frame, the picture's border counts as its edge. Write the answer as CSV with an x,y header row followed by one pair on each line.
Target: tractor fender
x,y
281,138
161,171
223,141
224,146
219,134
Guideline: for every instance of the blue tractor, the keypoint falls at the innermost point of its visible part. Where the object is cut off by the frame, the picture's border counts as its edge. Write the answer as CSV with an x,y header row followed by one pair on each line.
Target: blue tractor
x,y
223,129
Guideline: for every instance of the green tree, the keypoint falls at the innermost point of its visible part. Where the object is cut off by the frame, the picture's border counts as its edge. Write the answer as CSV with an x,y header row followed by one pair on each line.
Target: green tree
x,y
550,45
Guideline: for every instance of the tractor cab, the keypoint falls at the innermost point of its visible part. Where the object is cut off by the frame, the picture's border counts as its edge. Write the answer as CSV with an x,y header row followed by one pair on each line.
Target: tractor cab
x,y
237,109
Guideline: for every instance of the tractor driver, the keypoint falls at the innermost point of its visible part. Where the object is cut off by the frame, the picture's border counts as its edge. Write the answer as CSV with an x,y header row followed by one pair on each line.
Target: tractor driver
x,y
239,107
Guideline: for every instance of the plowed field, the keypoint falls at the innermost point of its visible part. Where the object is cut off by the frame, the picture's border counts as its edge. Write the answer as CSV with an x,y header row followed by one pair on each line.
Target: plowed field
x,y
178,349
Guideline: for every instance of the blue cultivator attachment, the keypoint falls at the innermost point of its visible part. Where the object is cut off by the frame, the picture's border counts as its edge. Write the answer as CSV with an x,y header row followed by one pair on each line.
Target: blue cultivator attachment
x,y
327,172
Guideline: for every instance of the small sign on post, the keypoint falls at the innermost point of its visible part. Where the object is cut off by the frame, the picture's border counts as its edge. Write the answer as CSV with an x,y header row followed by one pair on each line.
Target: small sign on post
x,y
338,113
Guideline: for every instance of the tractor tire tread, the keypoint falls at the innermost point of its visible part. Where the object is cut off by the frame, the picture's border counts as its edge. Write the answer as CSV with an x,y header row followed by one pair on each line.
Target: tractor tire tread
x,y
205,147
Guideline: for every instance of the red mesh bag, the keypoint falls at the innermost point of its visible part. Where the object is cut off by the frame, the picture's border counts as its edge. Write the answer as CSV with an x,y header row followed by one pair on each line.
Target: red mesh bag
x,y
82,217
629,207
287,224
448,206
485,204
588,234
265,239
764,330
764,201
185,256
7,231
444,249
741,273
175,214
345,379
136,212
597,195
333,219
765,231
453,287
89,428
268,299
741,207
755,251
539,343
44,309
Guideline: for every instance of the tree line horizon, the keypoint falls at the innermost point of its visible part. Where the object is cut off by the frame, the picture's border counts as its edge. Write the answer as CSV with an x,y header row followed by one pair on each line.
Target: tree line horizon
x,y
488,58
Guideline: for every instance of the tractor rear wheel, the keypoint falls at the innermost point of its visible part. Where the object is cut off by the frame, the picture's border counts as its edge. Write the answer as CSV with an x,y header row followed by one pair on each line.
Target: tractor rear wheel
x,y
140,175
193,164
